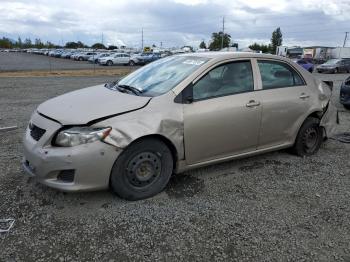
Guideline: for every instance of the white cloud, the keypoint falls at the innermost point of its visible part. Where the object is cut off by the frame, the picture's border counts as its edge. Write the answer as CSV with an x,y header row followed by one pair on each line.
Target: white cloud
x,y
176,22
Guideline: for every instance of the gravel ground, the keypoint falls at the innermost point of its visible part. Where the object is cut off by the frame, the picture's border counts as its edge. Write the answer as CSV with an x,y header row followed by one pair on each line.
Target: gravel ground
x,y
272,207
31,62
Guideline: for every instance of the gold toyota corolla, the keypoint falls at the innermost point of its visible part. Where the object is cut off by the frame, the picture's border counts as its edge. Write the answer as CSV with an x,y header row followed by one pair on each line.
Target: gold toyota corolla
x,y
177,113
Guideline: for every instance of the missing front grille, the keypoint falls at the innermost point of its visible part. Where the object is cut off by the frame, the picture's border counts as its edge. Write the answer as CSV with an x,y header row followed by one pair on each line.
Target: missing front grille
x,y
36,132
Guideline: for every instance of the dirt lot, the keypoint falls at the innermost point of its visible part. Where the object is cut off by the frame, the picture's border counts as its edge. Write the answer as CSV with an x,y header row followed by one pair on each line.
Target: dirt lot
x,y
10,62
273,207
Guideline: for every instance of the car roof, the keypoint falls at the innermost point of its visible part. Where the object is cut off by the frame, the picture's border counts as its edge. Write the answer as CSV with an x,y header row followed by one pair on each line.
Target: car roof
x,y
228,55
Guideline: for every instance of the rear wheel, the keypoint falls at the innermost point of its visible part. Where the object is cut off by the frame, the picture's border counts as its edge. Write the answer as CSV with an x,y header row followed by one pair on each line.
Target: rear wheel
x,y
336,71
309,138
142,170
131,63
81,59
109,63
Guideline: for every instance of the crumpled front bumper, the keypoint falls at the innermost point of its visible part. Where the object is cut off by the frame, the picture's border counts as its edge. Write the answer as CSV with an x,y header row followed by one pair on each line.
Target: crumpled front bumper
x,y
90,163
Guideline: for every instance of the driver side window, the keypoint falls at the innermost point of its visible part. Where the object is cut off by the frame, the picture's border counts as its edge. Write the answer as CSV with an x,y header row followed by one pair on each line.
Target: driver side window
x,y
226,79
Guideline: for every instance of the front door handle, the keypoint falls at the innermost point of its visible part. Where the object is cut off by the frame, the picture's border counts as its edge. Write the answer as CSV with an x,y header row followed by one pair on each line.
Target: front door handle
x,y
252,103
304,96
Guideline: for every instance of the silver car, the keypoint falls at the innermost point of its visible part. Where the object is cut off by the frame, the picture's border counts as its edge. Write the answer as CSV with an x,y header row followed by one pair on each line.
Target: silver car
x,y
175,114
115,59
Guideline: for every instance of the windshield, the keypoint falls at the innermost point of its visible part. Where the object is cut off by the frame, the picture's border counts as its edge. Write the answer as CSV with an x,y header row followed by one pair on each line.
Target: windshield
x,y
162,75
332,62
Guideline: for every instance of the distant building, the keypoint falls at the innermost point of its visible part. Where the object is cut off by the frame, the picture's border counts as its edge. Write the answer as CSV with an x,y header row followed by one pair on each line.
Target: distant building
x,y
229,49
291,52
318,53
294,52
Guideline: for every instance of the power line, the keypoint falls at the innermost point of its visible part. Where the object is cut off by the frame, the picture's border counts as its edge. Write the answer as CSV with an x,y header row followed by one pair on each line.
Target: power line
x,y
223,32
142,39
346,36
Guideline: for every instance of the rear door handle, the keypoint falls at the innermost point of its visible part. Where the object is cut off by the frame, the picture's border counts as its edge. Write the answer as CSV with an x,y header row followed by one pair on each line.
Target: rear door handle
x,y
304,96
252,103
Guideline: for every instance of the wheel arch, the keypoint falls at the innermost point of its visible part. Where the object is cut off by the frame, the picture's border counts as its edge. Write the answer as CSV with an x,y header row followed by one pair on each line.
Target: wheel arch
x,y
165,140
314,114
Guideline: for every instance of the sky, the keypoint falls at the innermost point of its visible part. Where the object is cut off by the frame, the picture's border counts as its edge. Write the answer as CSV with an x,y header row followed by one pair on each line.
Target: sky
x,y
175,23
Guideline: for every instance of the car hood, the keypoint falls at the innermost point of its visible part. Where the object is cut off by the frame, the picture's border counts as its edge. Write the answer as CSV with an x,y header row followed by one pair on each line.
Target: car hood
x,y
88,104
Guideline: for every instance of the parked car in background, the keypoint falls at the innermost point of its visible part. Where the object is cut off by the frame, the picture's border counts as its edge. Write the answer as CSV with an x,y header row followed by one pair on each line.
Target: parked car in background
x,y
67,54
345,93
115,59
172,115
144,58
94,59
84,56
306,65
334,66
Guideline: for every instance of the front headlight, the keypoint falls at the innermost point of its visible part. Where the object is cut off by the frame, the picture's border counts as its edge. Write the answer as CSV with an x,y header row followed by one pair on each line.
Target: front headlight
x,y
81,135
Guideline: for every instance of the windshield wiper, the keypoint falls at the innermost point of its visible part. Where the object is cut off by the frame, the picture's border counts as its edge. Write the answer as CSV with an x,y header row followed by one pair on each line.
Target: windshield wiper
x,y
130,88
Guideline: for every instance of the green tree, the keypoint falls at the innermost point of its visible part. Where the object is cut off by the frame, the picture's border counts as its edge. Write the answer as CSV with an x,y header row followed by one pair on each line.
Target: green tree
x,y
202,45
49,45
216,39
276,40
38,43
27,43
260,47
5,43
75,45
19,42
98,46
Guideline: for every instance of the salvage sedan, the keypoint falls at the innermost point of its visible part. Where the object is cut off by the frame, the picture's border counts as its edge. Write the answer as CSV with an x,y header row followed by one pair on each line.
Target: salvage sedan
x,y
175,114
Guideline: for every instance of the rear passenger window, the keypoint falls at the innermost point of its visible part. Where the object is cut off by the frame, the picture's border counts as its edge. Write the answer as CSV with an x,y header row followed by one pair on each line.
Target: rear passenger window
x,y
277,74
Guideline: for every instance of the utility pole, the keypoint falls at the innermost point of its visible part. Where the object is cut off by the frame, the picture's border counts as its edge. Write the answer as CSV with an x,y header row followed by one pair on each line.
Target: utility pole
x,y
346,36
223,32
102,39
142,40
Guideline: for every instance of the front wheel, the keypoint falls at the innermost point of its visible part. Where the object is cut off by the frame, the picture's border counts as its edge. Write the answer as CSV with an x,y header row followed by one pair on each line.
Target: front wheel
x,y
347,106
142,170
309,138
131,63
336,71
109,63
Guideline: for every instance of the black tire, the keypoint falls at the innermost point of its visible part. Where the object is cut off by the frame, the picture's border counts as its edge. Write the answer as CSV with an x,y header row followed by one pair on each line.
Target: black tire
x,y
109,63
347,107
80,59
131,63
142,170
336,71
311,70
309,138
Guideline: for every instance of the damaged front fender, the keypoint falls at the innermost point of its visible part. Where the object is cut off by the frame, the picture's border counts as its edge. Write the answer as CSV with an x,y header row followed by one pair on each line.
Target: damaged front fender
x,y
166,122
